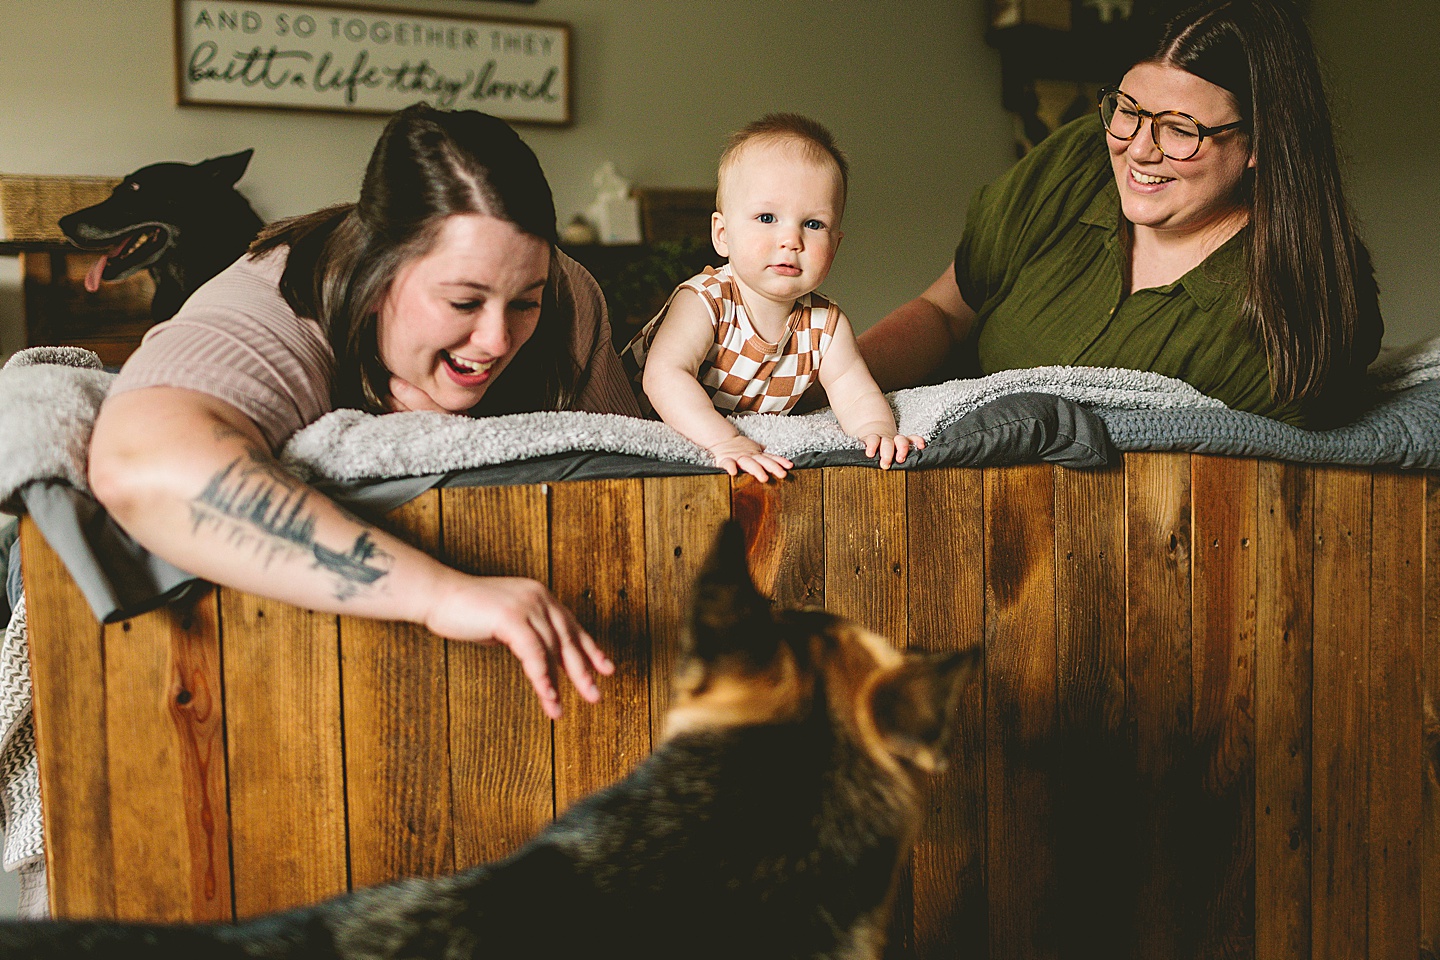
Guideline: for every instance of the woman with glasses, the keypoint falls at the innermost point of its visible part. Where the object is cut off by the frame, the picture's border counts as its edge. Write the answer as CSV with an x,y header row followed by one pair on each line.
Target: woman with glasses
x,y
1195,226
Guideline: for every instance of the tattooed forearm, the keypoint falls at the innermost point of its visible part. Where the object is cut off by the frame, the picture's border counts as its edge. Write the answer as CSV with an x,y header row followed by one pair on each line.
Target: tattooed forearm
x,y
259,494
259,502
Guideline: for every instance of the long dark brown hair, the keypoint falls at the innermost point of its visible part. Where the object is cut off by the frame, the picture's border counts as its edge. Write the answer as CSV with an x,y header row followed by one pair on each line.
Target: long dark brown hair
x,y
427,165
1311,297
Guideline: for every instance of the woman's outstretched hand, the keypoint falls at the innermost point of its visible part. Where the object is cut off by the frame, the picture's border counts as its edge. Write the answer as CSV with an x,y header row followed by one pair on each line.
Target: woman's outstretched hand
x,y
517,613
526,618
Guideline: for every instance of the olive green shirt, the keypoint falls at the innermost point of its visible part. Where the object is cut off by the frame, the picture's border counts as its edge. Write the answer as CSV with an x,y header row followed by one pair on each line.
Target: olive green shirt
x,y
1042,263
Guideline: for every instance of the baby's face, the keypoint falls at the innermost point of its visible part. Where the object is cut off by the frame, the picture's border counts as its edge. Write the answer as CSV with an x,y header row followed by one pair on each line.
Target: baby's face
x,y
781,222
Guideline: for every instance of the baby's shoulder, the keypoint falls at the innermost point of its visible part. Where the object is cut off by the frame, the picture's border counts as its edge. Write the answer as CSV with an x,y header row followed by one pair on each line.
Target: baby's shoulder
x,y
712,289
824,313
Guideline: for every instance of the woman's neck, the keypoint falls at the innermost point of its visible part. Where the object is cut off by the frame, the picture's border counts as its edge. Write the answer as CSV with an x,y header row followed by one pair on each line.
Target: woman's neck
x,y
1160,257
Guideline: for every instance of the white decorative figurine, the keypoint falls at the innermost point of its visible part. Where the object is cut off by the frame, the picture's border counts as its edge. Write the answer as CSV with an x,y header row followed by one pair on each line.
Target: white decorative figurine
x,y
615,214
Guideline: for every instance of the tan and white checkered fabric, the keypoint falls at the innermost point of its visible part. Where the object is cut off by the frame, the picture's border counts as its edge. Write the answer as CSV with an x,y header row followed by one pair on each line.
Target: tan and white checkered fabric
x,y
744,373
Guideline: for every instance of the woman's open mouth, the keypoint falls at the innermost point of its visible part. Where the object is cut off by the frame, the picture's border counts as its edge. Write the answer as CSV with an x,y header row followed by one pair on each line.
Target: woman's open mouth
x,y
467,372
1147,180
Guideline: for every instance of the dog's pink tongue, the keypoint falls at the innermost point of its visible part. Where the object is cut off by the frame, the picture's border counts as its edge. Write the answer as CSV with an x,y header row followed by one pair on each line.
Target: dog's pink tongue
x,y
92,278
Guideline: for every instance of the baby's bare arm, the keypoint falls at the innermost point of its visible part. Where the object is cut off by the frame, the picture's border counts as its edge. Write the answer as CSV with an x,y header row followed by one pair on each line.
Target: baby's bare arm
x,y
856,399
671,382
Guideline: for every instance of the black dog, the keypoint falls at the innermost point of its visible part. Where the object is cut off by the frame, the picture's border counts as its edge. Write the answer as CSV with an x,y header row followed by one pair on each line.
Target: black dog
x,y
184,222
771,823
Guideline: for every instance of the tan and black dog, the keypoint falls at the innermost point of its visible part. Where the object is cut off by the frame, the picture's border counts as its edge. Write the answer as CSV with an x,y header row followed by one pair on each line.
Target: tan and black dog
x,y
771,823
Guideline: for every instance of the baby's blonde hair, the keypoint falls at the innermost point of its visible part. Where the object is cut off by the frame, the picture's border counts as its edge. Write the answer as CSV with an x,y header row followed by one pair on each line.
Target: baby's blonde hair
x,y
816,144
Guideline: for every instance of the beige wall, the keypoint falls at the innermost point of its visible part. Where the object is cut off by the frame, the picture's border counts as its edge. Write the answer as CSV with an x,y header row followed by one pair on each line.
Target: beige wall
x,y
910,89
1380,58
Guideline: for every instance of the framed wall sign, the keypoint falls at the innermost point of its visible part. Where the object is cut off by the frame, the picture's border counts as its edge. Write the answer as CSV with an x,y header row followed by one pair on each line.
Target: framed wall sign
x,y
317,56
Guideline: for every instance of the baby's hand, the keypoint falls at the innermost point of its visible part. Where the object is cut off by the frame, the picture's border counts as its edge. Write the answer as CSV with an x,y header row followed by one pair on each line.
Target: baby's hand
x,y
741,453
891,449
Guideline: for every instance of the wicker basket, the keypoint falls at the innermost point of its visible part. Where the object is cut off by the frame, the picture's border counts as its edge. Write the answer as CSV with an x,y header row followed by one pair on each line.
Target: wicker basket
x,y
31,206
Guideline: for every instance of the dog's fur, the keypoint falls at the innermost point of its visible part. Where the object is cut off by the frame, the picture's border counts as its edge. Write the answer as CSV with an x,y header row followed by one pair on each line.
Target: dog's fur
x,y
771,823
184,222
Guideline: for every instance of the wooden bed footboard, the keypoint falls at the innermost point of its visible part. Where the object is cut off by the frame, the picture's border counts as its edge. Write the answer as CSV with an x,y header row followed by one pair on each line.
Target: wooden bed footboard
x,y
1207,724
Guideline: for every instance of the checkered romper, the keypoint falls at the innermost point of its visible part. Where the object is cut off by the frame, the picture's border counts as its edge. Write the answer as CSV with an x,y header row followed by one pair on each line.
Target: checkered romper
x,y
742,372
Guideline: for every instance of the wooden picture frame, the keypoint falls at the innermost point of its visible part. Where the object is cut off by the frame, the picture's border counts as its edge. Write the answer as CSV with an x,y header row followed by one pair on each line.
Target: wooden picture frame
x,y
333,58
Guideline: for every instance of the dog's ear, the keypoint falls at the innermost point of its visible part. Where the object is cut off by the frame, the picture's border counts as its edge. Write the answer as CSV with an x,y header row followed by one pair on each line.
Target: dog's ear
x,y
916,705
229,168
728,616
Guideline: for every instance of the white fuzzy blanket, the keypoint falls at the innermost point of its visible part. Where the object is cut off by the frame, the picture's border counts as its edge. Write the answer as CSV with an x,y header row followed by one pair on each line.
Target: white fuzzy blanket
x,y
1400,369
49,397
48,400
351,446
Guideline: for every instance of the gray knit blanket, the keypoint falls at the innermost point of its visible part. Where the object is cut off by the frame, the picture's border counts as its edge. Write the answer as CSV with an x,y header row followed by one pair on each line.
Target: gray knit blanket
x,y
49,397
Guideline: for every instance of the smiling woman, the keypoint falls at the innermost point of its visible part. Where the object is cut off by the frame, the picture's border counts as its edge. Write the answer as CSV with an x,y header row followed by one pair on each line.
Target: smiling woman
x,y
1196,228
455,318
1180,208
441,290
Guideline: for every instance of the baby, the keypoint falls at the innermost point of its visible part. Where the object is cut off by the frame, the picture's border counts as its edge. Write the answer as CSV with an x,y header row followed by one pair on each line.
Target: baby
x,y
753,335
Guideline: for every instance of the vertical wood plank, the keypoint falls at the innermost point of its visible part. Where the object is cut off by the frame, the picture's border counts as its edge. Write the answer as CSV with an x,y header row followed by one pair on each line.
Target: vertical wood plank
x,y
1430,678
502,781
1096,842
597,569
865,550
682,517
1395,717
397,754
285,755
1158,693
165,726
67,673
784,535
945,524
1223,491
865,579
1283,628
1020,710
1339,878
